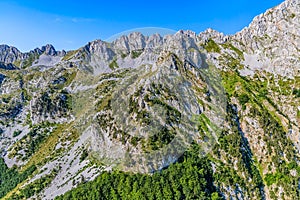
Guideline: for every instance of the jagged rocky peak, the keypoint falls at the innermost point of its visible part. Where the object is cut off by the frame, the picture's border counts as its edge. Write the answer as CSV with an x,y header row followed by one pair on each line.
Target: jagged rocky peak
x,y
273,38
37,51
154,40
136,41
96,46
100,48
187,33
184,45
49,50
121,44
181,43
280,22
182,39
127,43
5,47
9,54
213,34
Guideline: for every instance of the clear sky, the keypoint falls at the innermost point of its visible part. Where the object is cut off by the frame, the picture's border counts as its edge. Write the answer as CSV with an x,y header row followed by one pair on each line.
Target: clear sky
x,y
27,24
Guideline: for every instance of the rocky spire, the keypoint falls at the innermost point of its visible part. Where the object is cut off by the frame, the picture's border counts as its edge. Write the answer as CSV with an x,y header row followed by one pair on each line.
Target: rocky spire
x,y
9,54
49,50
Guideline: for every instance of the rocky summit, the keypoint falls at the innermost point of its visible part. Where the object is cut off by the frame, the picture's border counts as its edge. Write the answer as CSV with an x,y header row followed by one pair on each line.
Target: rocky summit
x,y
112,119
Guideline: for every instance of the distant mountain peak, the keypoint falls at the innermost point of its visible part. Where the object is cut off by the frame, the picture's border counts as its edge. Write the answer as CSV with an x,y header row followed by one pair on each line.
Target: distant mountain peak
x,y
49,50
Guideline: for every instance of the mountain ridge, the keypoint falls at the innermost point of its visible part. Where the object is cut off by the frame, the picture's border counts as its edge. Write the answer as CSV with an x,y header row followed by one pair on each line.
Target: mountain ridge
x,y
152,104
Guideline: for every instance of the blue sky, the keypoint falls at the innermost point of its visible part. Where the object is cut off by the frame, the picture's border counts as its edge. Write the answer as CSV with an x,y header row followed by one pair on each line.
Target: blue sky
x,y
71,24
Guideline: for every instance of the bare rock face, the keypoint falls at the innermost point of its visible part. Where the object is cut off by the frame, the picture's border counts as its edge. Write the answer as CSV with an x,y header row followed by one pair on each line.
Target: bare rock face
x,y
101,49
154,41
137,104
9,54
212,34
49,50
126,44
275,38
134,50
136,41
181,42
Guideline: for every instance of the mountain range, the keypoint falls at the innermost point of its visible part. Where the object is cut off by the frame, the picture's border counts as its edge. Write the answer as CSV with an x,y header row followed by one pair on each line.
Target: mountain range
x,y
206,116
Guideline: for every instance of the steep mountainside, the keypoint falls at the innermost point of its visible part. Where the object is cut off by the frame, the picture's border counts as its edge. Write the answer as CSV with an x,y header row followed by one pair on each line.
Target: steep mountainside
x,y
191,116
